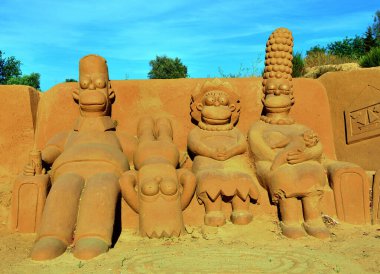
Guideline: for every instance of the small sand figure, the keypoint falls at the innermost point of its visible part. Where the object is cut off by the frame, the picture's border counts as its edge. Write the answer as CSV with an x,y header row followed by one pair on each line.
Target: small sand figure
x,y
221,169
158,191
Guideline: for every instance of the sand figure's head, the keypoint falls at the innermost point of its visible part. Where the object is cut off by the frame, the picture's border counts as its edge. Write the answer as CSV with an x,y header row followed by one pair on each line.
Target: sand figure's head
x,y
215,103
95,95
277,80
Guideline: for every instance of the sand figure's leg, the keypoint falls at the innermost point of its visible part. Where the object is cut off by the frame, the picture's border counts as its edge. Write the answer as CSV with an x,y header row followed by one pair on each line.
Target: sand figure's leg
x,y
214,215
313,224
96,216
240,211
58,218
290,223
164,130
145,129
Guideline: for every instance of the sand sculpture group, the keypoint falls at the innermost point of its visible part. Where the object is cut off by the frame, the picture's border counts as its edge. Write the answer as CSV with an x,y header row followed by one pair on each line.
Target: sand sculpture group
x,y
89,169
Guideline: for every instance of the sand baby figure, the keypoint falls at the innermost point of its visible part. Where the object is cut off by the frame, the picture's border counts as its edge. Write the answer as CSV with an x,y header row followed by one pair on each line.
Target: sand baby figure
x,y
158,190
86,164
221,169
287,155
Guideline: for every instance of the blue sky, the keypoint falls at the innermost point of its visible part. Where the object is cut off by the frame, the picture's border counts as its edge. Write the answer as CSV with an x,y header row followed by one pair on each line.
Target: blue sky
x,y
50,37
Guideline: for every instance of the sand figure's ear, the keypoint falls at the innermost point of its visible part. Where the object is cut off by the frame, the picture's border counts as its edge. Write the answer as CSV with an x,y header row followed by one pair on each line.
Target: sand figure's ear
x,y
111,93
232,107
76,95
199,106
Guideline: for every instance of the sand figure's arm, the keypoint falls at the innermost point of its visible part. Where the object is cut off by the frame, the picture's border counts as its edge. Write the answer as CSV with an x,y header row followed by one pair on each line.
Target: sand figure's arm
x,y
188,181
50,153
313,149
128,182
239,147
259,147
198,147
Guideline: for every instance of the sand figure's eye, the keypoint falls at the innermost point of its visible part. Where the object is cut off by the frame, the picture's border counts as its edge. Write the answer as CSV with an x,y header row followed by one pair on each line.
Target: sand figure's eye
x,y
210,100
100,83
84,83
284,87
223,100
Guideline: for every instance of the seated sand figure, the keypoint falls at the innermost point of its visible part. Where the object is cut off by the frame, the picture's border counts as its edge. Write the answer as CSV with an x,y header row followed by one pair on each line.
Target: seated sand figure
x,y
218,147
86,164
287,155
156,190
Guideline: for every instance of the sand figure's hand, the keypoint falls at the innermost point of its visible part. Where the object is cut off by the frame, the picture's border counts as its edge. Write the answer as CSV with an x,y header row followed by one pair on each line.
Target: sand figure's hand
x,y
29,170
297,156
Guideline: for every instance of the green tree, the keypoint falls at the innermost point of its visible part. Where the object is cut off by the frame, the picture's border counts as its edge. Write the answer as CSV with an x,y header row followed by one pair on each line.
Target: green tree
x,y
32,80
369,40
9,67
164,67
376,27
348,47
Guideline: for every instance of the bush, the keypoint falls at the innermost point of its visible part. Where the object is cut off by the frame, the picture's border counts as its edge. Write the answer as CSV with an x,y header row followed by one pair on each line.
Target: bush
x,y
167,68
349,47
298,65
315,59
32,80
371,59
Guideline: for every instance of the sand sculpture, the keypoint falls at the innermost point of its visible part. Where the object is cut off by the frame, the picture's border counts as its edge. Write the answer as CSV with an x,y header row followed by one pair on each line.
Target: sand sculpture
x,y
219,160
88,167
156,190
86,164
287,155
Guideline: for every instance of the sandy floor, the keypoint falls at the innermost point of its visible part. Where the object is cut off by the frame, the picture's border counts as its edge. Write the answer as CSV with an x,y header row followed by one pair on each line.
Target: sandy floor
x,y
256,248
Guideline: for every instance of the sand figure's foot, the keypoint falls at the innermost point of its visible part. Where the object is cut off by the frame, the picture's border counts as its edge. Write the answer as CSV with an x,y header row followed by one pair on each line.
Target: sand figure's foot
x,y
317,229
215,218
241,217
88,248
47,248
292,231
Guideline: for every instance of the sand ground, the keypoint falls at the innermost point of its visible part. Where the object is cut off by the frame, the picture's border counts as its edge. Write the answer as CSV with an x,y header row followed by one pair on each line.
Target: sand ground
x,y
255,248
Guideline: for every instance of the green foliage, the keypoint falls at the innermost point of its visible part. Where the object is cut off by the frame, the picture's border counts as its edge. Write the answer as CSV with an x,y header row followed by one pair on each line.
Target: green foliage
x,y
371,59
369,40
164,67
10,73
9,67
32,80
298,65
68,80
376,27
348,47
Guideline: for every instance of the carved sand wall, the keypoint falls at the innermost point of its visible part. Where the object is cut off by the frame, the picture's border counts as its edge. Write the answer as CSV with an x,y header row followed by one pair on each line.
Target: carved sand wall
x,y
355,114
17,123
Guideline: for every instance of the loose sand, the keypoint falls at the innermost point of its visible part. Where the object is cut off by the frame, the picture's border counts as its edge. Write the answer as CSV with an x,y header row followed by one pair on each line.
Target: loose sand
x,y
255,248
